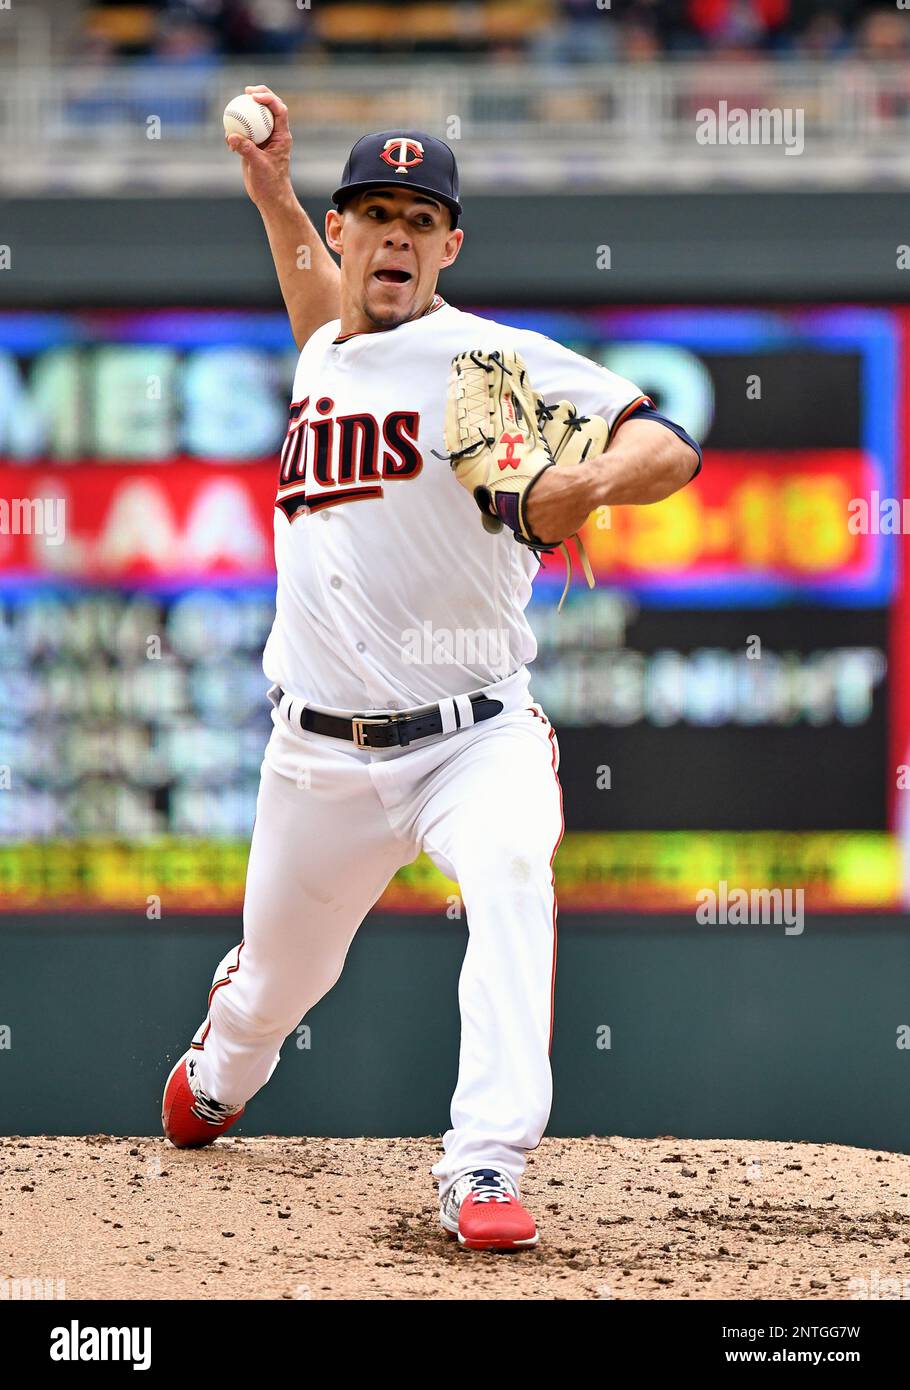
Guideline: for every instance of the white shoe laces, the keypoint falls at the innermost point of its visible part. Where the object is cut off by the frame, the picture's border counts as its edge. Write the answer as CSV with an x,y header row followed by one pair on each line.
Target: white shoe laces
x,y
484,1185
212,1111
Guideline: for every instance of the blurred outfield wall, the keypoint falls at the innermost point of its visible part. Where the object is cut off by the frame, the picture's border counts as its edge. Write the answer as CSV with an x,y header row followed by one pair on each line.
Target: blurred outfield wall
x,y
662,1027
664,247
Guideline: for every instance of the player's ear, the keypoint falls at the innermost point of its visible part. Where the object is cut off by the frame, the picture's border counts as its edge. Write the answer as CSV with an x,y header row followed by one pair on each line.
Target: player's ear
x,y
334,221
452,247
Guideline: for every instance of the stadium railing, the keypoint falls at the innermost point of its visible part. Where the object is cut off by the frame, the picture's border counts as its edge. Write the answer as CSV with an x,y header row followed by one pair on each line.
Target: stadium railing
x,y
145,127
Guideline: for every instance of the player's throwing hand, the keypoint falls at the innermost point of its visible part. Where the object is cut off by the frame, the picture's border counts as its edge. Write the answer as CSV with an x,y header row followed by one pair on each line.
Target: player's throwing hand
x,y
266,167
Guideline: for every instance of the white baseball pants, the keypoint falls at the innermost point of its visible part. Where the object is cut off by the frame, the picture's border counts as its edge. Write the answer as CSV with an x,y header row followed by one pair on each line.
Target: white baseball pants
x,y
333,824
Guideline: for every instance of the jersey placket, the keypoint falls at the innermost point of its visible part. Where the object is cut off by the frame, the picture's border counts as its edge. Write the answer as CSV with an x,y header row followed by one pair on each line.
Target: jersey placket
x,y
329,560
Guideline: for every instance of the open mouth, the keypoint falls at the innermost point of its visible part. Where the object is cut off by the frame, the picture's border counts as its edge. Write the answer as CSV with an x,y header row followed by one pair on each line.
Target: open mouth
x,y
392,277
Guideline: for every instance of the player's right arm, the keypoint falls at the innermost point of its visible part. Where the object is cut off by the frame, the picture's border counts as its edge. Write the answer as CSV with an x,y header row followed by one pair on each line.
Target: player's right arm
x,y
309,278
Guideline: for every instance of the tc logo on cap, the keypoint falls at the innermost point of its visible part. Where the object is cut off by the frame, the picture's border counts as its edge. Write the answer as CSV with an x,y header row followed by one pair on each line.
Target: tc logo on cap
x,y
402,154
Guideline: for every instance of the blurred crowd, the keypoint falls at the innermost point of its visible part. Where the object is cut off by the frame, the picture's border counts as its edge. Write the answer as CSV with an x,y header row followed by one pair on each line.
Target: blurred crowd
x,y
200,33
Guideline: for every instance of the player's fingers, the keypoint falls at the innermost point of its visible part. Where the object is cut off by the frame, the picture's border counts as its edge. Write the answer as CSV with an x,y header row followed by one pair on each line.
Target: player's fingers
x,y
240,145
266,97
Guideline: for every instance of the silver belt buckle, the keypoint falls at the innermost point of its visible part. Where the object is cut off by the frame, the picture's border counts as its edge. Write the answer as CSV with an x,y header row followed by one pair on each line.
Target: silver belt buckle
x,y
358,727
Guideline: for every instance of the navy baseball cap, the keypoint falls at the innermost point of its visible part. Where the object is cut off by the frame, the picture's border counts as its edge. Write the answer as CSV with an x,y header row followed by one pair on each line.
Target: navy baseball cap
x,y
402,158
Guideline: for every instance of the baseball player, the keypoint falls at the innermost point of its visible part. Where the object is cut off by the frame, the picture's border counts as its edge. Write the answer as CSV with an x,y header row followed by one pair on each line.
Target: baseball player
x,y
431,456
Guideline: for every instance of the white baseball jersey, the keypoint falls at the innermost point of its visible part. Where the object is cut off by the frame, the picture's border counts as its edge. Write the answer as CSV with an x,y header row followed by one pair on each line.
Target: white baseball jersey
x,y
390,592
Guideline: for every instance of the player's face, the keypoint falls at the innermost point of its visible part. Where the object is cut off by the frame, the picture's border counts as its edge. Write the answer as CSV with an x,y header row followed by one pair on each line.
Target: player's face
x,y
393,245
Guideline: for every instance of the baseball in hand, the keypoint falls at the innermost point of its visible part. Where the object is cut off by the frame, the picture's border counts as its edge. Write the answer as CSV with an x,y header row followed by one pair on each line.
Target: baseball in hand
x,y
244,115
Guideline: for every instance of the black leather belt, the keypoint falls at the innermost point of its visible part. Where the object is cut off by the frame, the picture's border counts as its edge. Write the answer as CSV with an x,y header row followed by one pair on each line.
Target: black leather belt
x,y
389,730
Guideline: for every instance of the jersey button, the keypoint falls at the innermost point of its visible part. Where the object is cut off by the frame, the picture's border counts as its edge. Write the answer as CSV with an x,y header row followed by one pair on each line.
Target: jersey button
x,y
361,646
335,581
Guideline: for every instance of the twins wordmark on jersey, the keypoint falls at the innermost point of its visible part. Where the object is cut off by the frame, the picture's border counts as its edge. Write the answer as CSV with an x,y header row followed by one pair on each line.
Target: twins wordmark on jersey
x,y
343,458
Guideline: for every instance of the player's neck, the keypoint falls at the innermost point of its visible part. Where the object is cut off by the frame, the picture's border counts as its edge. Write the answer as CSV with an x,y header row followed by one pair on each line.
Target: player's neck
x,y
354,322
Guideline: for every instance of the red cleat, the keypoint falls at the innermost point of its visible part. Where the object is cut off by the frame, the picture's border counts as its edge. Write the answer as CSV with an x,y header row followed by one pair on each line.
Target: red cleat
x,y
482,1209
189,1117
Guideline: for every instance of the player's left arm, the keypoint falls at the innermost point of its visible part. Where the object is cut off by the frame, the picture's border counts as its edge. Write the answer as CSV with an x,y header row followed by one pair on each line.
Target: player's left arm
x,y
647,459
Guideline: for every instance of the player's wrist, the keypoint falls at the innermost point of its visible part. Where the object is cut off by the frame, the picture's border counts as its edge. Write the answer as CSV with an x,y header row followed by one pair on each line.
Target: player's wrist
x,y
278,201
597,481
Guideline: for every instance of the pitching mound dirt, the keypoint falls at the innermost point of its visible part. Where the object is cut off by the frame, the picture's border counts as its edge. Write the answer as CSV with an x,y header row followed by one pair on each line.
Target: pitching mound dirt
x,y
357,1218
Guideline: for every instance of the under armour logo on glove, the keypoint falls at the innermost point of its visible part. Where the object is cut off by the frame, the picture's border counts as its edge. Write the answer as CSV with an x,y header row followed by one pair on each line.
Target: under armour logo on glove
x,y
510,441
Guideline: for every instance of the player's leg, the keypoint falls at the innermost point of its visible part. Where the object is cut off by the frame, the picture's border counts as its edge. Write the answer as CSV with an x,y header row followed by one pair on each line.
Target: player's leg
x,y
322,852
493,822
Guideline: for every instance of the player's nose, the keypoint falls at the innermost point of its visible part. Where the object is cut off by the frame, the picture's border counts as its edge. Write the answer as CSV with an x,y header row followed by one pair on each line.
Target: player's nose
x,y
397,235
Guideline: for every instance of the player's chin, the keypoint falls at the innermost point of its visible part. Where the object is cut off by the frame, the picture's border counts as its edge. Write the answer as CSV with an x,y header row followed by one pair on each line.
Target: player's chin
x,y
390,304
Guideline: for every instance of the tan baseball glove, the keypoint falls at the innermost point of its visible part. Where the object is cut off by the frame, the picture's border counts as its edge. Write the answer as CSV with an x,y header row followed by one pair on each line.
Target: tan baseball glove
x,y
501,438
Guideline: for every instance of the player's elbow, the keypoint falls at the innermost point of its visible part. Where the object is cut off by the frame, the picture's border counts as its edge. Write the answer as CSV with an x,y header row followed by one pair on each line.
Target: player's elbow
x,y
667,465
661,457
677,465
